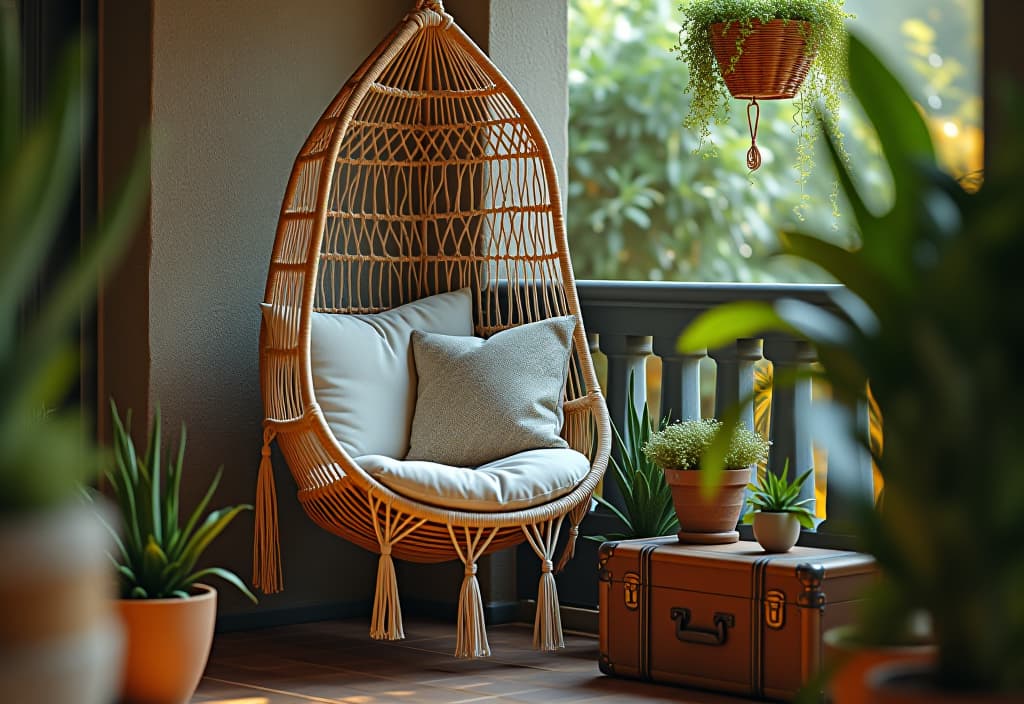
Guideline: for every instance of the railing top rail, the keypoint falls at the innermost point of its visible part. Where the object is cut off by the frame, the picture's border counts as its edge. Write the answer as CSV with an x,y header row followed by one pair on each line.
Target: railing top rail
x,y
699,294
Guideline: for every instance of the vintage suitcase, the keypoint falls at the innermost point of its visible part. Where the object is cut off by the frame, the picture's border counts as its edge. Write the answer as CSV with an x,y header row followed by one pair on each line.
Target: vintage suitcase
x,y
730,618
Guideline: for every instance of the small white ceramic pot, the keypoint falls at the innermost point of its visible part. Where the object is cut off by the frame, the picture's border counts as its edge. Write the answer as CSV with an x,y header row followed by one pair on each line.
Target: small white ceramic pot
x,y
776,532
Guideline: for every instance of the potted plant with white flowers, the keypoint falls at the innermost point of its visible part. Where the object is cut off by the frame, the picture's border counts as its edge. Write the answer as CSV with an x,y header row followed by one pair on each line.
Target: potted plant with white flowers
x,y
707,505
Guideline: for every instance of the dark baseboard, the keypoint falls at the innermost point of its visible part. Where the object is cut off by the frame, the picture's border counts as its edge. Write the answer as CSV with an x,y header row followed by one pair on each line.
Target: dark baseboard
x,y
300,614
494,613
501,612
574,619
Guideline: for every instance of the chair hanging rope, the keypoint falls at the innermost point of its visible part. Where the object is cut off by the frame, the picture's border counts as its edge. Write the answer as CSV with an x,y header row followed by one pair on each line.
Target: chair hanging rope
x,y
753,154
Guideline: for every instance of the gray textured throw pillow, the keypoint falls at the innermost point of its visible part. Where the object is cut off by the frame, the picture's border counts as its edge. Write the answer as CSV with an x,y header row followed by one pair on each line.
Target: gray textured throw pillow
x,y
480,400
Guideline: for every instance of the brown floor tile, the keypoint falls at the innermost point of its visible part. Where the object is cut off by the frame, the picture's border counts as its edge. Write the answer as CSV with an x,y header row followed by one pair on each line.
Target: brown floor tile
x,y
335,661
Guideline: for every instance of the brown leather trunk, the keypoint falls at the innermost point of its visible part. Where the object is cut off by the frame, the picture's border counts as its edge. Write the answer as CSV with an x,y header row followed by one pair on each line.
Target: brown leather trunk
x,y
729,618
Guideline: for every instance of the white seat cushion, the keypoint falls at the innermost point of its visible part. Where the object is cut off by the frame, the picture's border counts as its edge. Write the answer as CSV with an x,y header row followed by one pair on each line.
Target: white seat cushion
x,y
520,481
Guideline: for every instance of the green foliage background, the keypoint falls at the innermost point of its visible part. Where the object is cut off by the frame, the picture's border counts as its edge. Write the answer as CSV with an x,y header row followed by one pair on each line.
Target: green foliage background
x,y
642,206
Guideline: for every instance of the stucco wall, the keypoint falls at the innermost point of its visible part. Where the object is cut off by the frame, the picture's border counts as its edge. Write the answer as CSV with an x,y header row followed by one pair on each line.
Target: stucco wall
x,y
236,86
528,43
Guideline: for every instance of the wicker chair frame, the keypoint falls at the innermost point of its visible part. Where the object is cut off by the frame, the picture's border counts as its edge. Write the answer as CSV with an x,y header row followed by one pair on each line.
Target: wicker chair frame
x,y
426,173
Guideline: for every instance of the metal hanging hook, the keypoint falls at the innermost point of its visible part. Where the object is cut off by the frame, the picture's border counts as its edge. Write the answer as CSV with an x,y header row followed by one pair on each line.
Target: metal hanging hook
x,y
753,154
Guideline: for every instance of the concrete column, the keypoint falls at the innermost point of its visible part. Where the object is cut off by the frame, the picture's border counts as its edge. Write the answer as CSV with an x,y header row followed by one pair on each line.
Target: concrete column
x,y
791,411
627,359
680,379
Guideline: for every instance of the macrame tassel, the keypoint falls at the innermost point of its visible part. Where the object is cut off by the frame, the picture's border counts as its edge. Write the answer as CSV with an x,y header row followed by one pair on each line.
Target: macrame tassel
x,y
471,641
547,625
266,558
387,611
569,551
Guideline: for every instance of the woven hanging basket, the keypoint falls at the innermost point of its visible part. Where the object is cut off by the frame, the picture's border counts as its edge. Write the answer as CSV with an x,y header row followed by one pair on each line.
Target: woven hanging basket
x,y
774,62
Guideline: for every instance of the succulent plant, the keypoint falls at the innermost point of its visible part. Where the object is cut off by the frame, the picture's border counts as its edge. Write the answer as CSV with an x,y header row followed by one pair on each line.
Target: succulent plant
x,y
157,554
776,494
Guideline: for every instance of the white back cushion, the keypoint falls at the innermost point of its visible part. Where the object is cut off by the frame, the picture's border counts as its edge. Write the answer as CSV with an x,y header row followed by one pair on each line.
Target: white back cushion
x,y
363,372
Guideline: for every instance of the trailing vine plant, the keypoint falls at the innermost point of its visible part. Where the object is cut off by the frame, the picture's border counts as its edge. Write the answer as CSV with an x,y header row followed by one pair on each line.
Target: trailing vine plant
x,y
825,38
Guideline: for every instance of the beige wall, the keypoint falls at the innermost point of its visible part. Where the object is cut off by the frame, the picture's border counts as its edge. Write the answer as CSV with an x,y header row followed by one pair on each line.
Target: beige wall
x,y
236,86
528,43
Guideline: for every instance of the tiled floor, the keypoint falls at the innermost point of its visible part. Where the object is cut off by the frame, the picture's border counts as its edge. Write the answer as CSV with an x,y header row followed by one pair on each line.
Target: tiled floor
x,y
335,661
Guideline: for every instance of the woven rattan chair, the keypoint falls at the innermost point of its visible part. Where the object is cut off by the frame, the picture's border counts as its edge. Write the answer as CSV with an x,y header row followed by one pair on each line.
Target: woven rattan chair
x,y
428,126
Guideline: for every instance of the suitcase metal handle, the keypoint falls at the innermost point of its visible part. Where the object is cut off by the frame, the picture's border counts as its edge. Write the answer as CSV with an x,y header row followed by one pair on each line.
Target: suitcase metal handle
x,y
717,636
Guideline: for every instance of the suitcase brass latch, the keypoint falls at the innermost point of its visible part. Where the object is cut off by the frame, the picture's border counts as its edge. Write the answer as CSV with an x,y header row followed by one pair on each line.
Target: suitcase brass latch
x,y
631,590
775,609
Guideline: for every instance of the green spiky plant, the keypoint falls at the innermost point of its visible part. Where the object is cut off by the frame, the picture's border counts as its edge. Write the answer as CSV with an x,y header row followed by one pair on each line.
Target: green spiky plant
x,y
157,554
647,499
776,494
43,455
930,314
825,39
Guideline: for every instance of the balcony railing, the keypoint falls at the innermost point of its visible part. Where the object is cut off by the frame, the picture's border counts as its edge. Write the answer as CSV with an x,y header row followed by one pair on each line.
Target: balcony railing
x,y
630,321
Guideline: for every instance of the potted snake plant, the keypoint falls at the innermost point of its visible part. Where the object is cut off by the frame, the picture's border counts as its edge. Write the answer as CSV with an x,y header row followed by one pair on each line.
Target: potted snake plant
x,y
776,510
59,637
708,508
647,501
168,612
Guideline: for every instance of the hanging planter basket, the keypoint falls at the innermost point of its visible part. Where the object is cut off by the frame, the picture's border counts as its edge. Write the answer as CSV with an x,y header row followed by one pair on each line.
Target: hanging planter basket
x,y
774,61
772,66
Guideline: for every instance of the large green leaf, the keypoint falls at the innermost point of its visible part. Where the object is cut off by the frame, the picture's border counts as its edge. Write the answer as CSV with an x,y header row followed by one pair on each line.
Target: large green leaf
x,y
907,144
849,268
725,324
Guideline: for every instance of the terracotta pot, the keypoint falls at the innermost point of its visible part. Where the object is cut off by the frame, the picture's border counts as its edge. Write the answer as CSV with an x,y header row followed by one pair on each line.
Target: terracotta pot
x,y
850,661
914,683
773,64
168,644
776,532
60,640
708,521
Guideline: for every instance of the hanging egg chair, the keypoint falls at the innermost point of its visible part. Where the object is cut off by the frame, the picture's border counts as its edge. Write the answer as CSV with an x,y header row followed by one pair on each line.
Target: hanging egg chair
x,y
426,174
